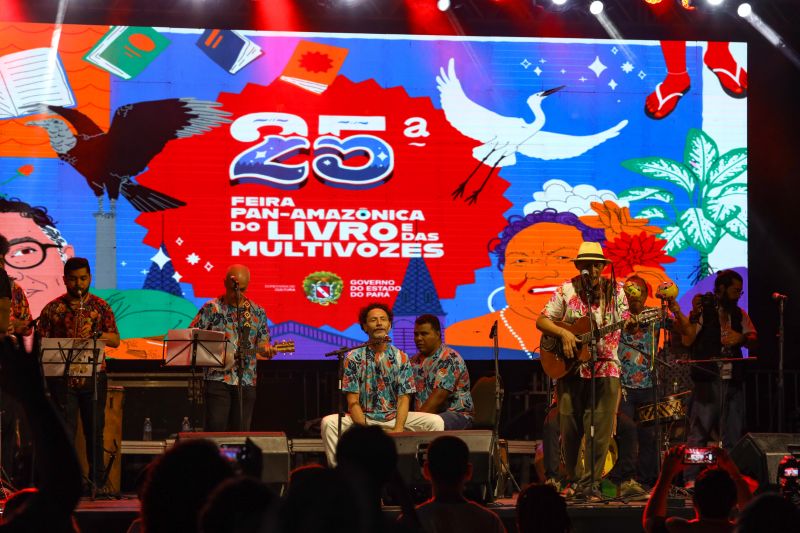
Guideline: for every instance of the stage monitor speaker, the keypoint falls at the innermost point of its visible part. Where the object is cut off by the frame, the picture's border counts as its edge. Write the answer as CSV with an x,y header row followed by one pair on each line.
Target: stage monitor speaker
x,y
757,455
274,450
412,451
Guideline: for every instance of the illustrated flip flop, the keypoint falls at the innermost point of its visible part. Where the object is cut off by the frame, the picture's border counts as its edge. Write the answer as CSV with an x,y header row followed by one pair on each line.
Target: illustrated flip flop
x,y
665,105
732,85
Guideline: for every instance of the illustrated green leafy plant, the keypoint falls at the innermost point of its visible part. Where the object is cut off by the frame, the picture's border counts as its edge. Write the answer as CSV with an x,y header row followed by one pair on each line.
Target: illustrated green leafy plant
x,y
709,179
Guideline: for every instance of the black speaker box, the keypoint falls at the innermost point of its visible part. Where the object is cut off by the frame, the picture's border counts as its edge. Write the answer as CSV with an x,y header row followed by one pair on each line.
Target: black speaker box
x,y
274,450
757,455
412,450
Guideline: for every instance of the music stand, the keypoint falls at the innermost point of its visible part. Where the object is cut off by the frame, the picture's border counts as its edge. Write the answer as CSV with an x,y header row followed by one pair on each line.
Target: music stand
x,y
193,348
67,357
78,357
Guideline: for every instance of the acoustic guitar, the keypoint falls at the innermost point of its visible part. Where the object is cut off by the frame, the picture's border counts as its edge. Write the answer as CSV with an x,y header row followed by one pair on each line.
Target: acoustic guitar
x,y
244,349
557,365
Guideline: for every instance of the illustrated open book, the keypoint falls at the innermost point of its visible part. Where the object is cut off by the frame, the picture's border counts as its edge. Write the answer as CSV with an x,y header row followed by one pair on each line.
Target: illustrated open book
x,y
31,79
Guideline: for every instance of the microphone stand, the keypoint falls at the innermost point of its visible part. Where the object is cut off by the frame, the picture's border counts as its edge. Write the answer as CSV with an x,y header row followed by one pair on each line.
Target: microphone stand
x,y
239,354
340,355
587,291
655,375
496,459
781,411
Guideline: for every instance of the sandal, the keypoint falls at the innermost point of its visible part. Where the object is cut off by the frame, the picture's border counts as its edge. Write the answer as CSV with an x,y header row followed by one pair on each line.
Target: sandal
x,y
665,105
732,85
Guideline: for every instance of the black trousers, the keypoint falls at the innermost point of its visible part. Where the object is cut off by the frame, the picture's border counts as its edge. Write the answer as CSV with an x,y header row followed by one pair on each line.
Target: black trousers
x,y
72,401
222,406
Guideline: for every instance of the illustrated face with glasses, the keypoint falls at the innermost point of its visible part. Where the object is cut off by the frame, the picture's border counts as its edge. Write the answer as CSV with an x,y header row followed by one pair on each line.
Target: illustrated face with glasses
x,y
33,261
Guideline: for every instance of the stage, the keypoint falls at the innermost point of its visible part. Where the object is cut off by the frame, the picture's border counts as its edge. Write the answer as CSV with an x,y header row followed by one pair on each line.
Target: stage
x,y
114,516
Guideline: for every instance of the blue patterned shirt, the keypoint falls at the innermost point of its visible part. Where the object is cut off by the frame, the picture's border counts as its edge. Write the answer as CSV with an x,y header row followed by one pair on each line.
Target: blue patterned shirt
x,y
218,316
635,351
445,370
378,382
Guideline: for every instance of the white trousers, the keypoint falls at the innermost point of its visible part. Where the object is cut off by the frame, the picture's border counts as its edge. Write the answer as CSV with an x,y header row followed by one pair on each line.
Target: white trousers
x,y
414,422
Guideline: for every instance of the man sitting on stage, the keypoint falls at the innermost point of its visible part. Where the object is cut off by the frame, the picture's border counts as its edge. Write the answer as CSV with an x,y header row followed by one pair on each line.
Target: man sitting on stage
x,y
608,305
442,378
231,313
78,314
378,381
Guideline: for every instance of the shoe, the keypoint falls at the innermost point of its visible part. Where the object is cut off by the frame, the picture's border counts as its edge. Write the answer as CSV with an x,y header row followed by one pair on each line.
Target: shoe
x,y
633,491
666,105
734,86
553,482
588,495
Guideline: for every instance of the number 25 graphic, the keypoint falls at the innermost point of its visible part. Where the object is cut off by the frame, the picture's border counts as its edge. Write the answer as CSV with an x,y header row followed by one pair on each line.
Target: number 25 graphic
x,y
265,163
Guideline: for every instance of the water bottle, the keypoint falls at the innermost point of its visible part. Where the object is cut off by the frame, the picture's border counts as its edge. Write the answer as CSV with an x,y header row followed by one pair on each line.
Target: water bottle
x,y
147,434
186,426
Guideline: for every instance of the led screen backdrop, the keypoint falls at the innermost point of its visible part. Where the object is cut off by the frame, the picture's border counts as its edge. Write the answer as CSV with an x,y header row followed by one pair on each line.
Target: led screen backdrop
x,y
453,176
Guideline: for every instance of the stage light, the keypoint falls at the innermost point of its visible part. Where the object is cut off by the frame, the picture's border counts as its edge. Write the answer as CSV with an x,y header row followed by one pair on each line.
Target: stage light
x,y
653,2
596,7
443,5
559,2
688,5
744,10
715,2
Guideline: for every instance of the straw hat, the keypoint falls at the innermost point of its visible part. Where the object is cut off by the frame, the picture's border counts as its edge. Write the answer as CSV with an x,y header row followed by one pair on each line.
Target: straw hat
x,y
590,251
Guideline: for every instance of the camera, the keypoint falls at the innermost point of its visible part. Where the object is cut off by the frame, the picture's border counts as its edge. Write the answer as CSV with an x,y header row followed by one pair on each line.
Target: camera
x,y
246,458
789,476
699,456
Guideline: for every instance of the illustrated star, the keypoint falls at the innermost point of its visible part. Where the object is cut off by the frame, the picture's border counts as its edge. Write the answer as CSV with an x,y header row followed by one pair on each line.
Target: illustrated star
x,y
177,277
123,263
160,258
613,85
597,66
192,258
627,67
538,71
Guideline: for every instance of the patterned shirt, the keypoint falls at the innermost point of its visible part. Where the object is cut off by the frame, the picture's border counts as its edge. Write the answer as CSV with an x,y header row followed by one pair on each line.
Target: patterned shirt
x,y
20,310
378,382
566,306
445,370
635,352
219,316
58,318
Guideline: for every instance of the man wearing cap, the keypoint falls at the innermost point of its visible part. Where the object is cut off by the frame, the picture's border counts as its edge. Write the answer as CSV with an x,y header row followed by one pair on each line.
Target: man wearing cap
x,y
608,306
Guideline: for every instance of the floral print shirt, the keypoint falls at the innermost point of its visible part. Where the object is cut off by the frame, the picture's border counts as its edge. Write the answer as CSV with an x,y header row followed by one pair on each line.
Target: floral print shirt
x,y
566,306
445,370
217,315
379,380
635,352
59,320
20,310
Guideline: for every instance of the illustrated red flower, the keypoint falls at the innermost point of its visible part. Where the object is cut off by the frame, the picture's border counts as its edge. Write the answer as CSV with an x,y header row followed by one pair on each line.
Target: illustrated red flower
x,y
25,170
628,251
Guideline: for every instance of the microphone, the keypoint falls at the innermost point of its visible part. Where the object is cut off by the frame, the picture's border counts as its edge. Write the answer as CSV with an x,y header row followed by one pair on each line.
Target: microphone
x,y
586,279
493,332
779,297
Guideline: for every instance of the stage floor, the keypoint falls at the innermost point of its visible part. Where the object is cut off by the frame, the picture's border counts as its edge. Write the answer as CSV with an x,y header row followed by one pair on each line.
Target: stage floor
x,y
114,516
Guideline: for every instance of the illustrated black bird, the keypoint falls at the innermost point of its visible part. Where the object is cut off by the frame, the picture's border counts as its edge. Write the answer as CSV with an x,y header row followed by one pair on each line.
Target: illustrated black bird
x,y
110,160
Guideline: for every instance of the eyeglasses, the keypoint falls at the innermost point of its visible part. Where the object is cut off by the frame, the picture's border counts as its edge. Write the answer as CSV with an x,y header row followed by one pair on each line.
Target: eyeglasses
x,y
26,253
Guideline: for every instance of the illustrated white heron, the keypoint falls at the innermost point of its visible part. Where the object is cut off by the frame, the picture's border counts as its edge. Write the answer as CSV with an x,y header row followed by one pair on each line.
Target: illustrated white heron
x,y
503,137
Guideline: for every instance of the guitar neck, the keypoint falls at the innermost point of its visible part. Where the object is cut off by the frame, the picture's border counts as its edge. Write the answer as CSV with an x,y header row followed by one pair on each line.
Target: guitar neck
x,y
601,332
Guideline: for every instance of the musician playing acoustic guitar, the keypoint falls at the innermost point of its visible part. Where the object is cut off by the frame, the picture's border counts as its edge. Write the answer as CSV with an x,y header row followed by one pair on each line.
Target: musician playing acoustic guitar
x,y
609,311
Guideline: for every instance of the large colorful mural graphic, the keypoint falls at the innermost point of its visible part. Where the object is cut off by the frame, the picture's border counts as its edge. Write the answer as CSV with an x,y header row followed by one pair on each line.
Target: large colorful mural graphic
x,y
455,176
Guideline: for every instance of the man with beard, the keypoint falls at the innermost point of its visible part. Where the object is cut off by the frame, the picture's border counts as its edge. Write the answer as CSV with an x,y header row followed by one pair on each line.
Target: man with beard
x,y
607,306
79,314
721,331
378,382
